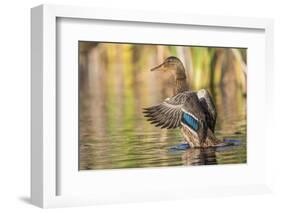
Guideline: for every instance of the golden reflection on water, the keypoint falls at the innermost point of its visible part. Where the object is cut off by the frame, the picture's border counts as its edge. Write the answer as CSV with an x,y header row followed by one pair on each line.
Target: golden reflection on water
x,y
115,84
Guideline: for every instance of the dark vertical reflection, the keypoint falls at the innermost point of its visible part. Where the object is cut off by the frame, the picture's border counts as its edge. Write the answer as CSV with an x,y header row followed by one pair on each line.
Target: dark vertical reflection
x,y
199,156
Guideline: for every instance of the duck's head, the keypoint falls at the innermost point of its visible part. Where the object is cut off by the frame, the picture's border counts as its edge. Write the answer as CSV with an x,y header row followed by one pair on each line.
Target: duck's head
x,y
172,64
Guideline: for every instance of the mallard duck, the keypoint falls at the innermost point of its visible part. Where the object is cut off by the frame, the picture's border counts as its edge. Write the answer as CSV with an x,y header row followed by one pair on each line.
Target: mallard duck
x,y
193,112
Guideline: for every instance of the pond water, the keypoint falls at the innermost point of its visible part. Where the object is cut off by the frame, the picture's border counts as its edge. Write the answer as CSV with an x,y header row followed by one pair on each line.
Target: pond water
x,y
115,134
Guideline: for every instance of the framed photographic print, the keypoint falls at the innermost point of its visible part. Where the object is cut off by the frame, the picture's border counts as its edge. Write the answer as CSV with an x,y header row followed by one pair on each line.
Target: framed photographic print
x,y
130,106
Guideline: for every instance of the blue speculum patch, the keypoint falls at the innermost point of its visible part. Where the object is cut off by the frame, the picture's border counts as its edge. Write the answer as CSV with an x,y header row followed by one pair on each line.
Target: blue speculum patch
x,y
190,121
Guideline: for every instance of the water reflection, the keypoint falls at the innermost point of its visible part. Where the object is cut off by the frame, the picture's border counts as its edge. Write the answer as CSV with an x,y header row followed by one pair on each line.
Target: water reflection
x,y
114,87
199,157
131,142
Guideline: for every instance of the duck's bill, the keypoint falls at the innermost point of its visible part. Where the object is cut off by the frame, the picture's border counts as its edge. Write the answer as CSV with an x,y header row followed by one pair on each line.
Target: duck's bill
x,y
157,67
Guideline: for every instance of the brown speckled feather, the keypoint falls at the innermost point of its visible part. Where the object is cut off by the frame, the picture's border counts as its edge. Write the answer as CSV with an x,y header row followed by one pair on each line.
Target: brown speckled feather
x,y
168,114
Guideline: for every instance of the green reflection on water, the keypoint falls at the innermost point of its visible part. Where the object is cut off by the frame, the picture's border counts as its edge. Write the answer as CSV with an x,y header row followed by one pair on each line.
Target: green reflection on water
x,y
132,142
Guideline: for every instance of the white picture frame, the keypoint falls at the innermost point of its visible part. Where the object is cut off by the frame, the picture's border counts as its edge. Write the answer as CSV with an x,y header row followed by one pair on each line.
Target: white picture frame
x,y
46,168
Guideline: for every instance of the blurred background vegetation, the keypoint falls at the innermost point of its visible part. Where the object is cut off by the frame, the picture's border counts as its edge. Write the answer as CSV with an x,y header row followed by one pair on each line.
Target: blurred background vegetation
x,y
116,83
206,67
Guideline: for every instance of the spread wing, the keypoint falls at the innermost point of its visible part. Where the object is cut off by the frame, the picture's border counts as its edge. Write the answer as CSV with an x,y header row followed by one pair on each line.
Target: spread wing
x,y
208,107
168,114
